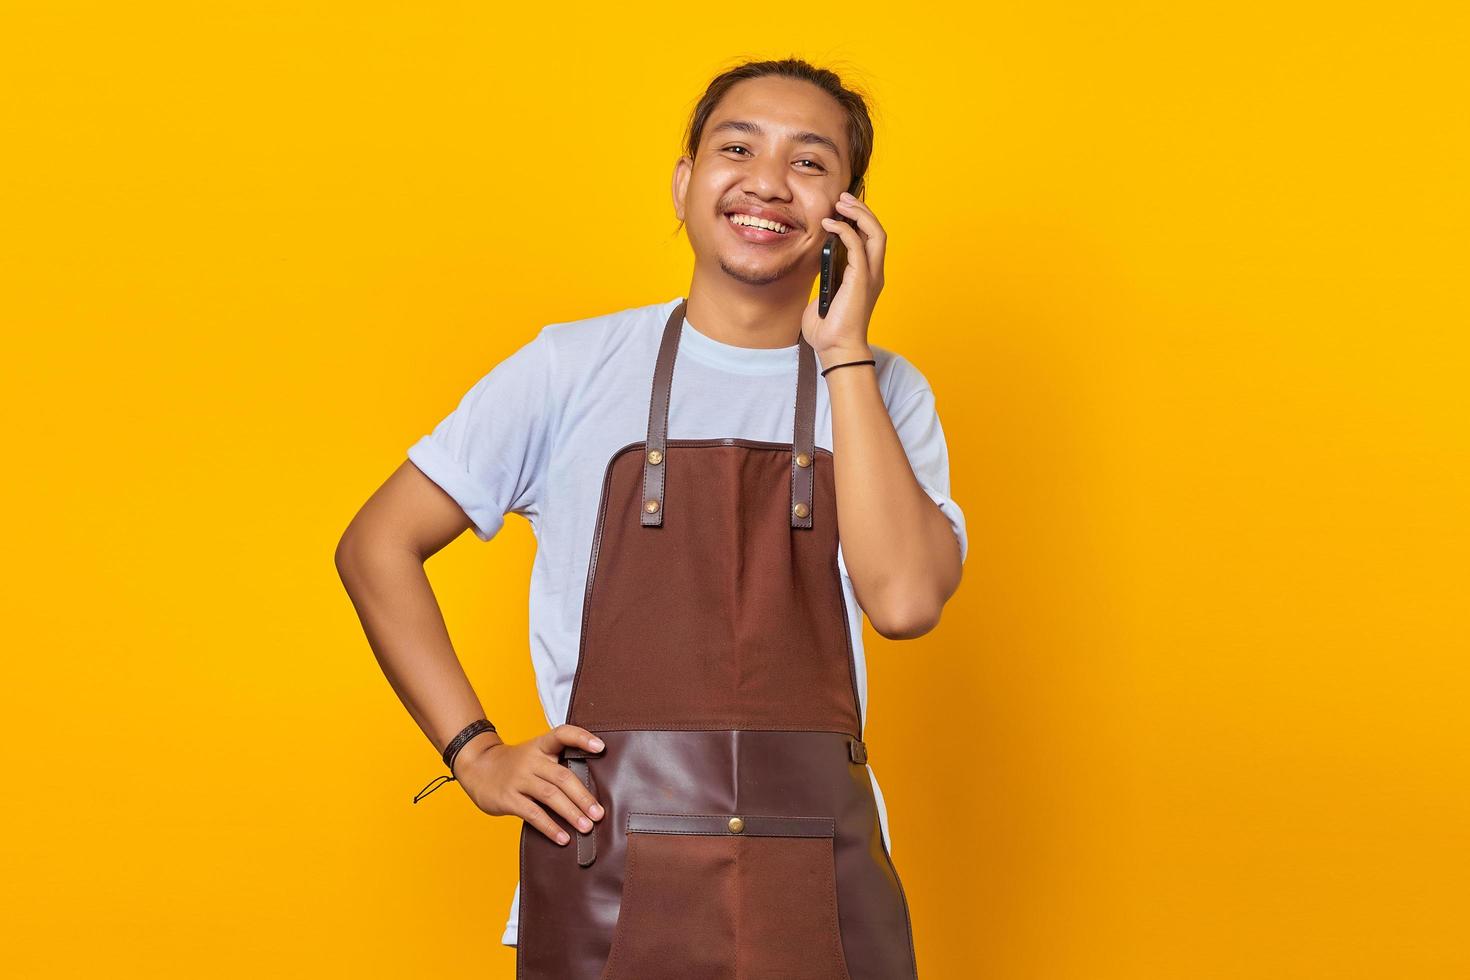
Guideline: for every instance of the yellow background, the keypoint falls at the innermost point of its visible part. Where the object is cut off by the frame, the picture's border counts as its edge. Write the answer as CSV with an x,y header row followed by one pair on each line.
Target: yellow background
x,y
1188,281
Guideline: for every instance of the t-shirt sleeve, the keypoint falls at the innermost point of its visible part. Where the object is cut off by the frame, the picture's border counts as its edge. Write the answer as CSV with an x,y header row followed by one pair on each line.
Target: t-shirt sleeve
x,y
916,420
491,453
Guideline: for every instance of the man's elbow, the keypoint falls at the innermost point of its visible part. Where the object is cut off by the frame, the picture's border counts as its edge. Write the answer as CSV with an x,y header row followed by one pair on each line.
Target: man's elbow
x,y
359,550
906,618
346,557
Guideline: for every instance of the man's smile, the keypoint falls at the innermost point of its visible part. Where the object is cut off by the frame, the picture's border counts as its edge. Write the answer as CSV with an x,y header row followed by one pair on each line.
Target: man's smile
x,y
754,230
760,225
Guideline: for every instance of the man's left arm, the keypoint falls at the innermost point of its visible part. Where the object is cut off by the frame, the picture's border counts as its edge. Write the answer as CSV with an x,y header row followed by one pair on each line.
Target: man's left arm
x,y
900,549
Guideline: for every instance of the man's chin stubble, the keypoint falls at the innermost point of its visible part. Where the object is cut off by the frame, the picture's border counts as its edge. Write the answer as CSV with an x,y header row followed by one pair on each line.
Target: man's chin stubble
x,y
757,279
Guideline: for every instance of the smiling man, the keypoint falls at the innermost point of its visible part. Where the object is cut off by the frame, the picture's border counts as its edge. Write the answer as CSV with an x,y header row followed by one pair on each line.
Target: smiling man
x,y
701,803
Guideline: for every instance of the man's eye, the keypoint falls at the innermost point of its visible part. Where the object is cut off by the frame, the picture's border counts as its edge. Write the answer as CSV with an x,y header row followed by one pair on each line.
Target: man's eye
x,y
741,148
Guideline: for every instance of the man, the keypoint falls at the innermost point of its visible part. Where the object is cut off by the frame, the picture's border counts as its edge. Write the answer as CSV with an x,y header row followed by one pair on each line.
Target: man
x,y
696,622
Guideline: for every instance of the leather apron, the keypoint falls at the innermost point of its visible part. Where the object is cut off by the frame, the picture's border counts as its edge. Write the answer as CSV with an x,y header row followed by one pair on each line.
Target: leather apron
x,y
741,836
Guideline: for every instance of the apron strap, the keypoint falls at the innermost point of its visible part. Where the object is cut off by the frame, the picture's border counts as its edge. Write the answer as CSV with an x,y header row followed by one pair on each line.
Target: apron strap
x,y
576,760
803,428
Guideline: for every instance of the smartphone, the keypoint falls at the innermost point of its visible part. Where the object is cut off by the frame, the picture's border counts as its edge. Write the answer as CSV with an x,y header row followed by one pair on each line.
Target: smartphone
x,y
834,264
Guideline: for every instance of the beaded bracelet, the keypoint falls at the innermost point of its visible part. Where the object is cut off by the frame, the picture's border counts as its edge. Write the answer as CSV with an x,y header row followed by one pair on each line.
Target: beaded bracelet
x,y
451,750
834,367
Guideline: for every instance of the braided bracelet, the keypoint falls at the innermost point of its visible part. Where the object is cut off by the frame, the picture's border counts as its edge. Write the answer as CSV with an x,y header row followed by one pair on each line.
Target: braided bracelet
x,y
834,367
451,750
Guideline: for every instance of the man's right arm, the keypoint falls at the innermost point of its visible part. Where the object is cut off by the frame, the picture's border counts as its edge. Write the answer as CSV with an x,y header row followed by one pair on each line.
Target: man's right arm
x,y
380,559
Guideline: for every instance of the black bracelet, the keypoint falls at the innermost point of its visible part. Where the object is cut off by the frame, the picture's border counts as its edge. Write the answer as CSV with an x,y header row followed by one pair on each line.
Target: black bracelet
x,y
477,727
834,367
458,742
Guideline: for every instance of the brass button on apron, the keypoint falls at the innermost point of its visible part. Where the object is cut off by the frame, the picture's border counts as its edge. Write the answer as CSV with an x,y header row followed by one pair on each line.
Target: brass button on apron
x,y
655,457
801,510
736,825
651,506
802,459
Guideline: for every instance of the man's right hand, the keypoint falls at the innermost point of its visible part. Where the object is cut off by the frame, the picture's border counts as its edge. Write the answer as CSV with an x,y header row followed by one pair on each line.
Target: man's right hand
x,y
515,778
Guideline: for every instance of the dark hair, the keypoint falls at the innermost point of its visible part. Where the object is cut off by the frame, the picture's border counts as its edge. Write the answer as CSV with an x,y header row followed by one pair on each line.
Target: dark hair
x,y
859,123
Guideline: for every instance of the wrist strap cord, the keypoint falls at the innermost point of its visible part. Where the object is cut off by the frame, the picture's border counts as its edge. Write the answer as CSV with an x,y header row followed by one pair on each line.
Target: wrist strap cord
x,y
834,367
451,750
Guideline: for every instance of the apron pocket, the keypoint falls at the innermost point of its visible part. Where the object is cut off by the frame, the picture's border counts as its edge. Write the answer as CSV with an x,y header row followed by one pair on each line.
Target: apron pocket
x,y
717,896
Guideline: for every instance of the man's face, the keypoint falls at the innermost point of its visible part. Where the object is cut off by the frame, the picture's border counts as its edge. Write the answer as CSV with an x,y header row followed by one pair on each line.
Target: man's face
x,y
776,148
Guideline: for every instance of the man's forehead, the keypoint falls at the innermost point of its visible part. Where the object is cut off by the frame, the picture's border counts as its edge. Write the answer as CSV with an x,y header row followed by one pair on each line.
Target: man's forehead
x,y
780,108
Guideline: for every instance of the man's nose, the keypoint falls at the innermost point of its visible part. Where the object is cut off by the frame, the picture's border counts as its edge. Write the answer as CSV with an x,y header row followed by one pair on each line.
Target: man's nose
x,y
768,178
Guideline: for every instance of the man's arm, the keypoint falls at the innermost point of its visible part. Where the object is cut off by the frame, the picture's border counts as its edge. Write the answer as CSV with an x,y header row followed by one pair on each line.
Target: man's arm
x,y
380,559
899,547
902,554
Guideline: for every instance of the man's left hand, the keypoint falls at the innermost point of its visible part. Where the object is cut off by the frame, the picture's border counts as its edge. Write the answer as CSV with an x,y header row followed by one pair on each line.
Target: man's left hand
x,y
842,334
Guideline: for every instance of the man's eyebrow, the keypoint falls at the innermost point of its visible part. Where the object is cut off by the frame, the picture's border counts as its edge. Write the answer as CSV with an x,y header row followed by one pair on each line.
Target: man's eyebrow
x,y
744,126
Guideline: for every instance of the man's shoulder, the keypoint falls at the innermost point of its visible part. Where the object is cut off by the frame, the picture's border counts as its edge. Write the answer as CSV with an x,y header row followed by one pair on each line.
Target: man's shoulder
x,y
599,352
603,330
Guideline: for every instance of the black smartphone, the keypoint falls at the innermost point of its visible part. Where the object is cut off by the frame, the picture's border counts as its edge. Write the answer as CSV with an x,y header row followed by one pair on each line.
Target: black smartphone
x,y
834,264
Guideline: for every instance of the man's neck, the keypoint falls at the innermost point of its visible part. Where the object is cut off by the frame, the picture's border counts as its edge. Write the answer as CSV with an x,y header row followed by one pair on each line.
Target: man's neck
x,y
742,315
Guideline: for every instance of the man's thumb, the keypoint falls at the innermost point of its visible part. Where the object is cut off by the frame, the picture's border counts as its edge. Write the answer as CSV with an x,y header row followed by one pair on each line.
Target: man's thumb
x,y
572,735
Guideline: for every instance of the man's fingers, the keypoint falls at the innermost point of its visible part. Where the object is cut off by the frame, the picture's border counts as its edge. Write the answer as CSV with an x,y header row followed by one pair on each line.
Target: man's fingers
x,y
857,256
532,813
574,788
551,742
877,238
551,794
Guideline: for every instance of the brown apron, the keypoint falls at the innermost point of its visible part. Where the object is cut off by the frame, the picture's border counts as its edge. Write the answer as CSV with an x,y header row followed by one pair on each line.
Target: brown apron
x,y
741,835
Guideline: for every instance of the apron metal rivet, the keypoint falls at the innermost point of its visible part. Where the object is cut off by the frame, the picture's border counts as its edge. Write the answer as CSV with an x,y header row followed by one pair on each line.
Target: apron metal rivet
x,y
655,457
801,510
802,459
736,825
651,506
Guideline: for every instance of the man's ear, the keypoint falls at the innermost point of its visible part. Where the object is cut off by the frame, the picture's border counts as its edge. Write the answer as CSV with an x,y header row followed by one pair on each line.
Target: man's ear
x,y
683,169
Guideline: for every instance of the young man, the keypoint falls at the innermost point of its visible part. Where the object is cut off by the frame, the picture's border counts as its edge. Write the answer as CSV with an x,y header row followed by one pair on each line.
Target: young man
x,y
701,804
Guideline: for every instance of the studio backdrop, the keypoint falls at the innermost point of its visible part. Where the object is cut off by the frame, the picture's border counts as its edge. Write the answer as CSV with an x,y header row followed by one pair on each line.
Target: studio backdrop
x,y
1188,282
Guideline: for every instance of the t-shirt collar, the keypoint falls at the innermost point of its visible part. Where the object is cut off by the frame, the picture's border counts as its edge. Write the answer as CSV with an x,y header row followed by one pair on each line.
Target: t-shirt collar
x,y
731,357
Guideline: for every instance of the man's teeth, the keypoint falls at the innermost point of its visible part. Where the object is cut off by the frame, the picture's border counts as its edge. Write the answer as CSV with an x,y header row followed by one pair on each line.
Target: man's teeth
x,y
754,222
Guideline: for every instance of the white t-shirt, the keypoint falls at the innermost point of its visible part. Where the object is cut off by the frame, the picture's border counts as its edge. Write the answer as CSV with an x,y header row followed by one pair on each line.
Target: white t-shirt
x,y
534,435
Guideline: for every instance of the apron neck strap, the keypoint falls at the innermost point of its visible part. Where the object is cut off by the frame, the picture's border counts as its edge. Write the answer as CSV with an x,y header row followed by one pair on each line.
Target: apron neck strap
x,y
803,435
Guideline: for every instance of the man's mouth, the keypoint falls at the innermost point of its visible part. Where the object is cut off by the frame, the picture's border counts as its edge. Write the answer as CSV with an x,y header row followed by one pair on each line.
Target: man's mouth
x,y
754,229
